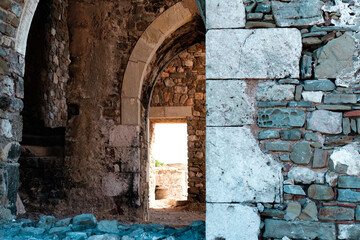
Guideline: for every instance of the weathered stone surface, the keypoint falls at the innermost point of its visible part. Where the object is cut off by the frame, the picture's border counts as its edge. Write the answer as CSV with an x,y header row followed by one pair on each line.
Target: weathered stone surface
x,y
284,157
319,85
281,118
346,126
228,103
301,153
276,57
340,98
320,158
124,136
273,213
349,157
349,182
225,14
313,96
270,91
325,122
294,189
336,213
348,195
293,210
309,212
306,66
320,192
234,180
46,222
335,60
311,136
298,91
331,178
268,134
84,221
349,231
271,104
357,213
277,146
302,104
305,175
108,226
297,13
292,134
299,230
245,223
253,24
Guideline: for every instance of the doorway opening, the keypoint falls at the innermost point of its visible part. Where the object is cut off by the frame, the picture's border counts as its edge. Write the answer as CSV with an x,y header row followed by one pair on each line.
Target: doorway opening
x,y
169,157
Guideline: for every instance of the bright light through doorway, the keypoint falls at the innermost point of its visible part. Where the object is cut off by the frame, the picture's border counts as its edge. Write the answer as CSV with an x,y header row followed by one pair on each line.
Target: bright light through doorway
x,y
170,143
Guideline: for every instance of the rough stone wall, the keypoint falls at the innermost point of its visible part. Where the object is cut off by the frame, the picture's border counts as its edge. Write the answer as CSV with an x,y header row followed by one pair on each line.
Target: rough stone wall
x,y
301,112
11,94
182,83
102,155
174,179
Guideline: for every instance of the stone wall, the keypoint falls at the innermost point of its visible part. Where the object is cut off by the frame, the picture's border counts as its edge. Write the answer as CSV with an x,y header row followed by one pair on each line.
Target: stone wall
x,y
174,179
12,85
182,83
297,122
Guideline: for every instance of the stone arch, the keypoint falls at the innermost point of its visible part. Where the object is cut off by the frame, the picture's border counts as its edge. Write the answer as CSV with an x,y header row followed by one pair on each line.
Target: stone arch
x,y
143,53
24,27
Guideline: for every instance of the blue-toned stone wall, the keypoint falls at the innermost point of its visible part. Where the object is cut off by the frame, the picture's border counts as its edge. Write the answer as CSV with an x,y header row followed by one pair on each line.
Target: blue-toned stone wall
x,y
309,123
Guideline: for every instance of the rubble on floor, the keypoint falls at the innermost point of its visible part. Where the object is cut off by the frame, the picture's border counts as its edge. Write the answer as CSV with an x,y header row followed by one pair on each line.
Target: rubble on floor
x,y
85,226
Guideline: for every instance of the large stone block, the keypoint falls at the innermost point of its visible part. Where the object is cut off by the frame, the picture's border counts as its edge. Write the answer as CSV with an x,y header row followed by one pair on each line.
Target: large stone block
x,y
253,54
228,103
301,153
231,222
336,213
325,122
237,170
225,14
336,60
348,195
349,182
299,230
305,175
297,13
320,192
281,118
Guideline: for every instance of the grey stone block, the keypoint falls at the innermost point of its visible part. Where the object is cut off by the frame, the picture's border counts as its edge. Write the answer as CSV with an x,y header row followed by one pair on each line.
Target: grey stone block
x,y
229,177
320,192
277,146
299,230
281,118
319,85
276,57
340,98
349,182
325,122
297,13
228,104
293,210
268,134
301,153
294,190
348,195
292,134
231,221
271,91
320,158
311,136
336,214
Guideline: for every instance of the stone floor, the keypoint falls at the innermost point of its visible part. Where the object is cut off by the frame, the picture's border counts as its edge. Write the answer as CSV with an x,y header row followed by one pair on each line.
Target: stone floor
x,y
86,226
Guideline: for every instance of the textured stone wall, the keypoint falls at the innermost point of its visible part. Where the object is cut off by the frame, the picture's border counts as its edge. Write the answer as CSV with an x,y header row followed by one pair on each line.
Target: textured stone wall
x,y
11,94
301,116
182,83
